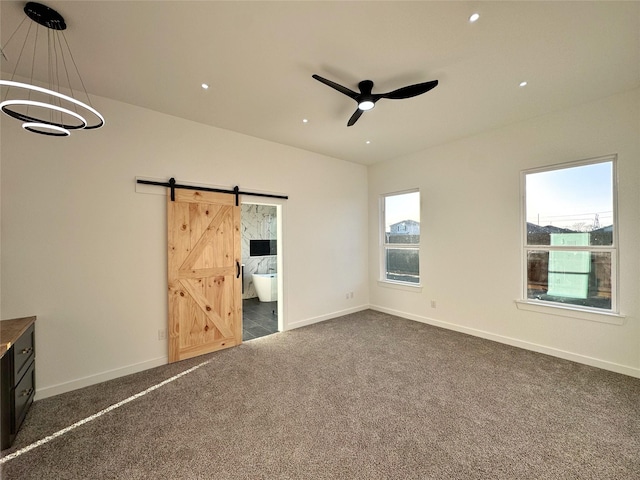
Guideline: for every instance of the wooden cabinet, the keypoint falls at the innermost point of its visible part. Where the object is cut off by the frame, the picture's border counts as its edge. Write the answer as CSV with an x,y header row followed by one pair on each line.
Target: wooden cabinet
x,y
18,349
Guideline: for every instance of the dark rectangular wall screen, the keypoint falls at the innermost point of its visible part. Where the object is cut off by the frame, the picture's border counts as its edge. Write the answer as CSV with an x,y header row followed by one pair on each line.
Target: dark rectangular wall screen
x,y
259,248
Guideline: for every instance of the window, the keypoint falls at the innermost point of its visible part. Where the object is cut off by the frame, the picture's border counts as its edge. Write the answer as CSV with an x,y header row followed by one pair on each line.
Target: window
x,y
400,254
570,235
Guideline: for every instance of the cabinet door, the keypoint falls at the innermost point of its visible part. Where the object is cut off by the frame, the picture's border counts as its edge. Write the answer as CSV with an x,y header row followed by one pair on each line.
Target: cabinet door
x,y
23,397
23,353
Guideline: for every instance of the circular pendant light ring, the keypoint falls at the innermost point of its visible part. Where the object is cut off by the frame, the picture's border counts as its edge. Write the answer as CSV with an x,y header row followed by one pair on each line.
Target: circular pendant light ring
x,y
30,103
44,129
56,105
26,86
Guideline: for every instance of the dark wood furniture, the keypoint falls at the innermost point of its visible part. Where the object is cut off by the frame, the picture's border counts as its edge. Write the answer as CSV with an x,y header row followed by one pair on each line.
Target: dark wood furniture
x,y
18,351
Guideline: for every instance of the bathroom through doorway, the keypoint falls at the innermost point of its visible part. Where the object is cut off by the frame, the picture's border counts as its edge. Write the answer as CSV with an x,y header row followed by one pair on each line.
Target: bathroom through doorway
x,y
261,227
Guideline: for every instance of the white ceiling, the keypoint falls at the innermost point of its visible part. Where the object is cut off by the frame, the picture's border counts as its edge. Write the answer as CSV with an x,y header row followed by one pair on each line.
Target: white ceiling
x,y
258,58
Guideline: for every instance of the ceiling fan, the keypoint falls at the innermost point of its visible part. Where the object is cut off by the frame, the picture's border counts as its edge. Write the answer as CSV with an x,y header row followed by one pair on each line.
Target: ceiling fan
x,y
367,100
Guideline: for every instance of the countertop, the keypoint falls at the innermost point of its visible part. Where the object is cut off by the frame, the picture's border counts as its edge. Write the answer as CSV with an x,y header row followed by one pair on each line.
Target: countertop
x,y
11,330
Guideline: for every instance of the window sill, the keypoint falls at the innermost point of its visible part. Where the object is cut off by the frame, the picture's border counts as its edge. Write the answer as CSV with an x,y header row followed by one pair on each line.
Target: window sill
x,y
400,286
563,311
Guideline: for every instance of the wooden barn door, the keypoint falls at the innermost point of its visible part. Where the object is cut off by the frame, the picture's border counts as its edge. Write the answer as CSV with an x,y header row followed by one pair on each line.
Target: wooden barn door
x,y
205,288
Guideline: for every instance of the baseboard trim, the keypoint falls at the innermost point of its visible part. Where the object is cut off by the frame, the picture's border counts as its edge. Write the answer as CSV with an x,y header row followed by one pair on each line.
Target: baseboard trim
x,y
322,318
65,387
98,378
52,390
514,342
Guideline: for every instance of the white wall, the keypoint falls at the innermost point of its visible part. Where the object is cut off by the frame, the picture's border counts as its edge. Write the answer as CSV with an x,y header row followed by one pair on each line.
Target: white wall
x,y
87,255
470,225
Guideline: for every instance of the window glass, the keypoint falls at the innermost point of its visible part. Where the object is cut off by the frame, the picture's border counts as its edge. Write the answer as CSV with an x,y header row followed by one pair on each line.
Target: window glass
x,y
571,200
401,243
403,265
570,235
570,277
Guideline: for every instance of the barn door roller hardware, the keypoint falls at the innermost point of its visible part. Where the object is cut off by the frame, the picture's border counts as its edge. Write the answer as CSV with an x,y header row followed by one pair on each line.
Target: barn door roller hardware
x,y
236,190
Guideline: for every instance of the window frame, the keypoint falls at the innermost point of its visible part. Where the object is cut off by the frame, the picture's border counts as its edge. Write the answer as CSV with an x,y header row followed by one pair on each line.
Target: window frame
x,y
384,246
612,249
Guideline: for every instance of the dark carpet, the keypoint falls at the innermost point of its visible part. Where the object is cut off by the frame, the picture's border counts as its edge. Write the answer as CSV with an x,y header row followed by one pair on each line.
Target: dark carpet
x,y
365,396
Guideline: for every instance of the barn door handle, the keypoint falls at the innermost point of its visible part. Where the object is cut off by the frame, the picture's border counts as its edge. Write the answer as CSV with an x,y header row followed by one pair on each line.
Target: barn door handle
x,y
237,269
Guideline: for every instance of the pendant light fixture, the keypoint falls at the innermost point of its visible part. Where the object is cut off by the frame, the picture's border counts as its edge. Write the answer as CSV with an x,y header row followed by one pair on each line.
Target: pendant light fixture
x,y
50,109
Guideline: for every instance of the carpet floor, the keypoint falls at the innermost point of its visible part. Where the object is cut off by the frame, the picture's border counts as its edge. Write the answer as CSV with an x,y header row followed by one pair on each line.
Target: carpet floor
x,y
364,396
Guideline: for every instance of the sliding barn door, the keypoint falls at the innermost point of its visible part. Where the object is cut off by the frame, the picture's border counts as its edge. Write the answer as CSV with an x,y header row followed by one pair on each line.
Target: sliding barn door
x,y
205,288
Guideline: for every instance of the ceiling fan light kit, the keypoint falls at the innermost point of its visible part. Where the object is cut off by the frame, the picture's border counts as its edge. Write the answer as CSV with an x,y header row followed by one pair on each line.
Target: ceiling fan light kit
x,y
53,113
366,105
366,100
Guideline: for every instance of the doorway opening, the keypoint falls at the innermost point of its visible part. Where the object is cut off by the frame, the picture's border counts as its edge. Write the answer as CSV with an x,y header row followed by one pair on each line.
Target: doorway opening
x,y
261,269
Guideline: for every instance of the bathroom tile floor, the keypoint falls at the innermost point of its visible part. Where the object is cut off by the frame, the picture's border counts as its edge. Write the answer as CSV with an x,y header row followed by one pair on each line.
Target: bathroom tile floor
x,y
258,318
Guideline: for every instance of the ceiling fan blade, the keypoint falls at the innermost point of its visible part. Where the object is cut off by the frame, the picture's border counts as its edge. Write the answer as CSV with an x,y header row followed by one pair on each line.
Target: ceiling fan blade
x,y
349,93
354,118
410,91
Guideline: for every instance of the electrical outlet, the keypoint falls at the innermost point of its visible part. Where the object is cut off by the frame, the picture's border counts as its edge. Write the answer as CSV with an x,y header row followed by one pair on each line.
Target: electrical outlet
x,y
162,334
350,294
346,295
433,304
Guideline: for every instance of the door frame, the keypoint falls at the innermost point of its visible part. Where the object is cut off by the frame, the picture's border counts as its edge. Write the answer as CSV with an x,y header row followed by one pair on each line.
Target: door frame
x,y
280,205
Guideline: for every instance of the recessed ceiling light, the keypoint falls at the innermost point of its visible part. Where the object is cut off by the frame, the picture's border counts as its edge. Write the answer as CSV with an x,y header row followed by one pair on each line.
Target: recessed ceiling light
x,y
205,86
368,142
305,120
523,84
474,18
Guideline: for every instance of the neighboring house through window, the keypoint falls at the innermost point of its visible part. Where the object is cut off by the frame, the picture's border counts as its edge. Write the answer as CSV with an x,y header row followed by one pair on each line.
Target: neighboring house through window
x,y
570,235
401,237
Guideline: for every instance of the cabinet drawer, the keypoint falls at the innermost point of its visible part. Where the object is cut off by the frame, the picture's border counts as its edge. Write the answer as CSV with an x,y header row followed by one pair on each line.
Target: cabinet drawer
x,y
24,351
23,397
